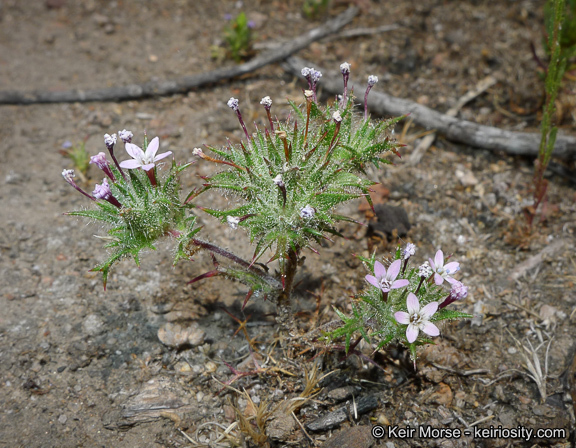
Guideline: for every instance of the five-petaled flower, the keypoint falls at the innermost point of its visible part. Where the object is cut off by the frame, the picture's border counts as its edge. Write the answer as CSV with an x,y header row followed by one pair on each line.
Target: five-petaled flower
x,y
417,319
145,160
386,280
443,272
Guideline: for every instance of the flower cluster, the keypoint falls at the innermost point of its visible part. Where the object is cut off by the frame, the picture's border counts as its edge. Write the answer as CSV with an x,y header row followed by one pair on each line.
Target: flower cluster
x,y
402,302
134,202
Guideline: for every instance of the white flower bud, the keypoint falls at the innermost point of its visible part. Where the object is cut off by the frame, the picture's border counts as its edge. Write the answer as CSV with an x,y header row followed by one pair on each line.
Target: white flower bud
x,y
68,175
125,136
307,212
345,68
233,221
266,102
110,140
233,103
278,180
372,80
425,270
408,251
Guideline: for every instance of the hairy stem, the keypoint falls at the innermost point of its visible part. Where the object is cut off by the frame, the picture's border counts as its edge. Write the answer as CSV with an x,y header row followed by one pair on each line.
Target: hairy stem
x,y
235,258
285,316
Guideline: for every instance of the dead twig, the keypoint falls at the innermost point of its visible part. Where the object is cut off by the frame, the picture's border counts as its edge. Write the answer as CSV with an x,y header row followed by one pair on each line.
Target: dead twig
x,y
454,129
482,420
523,308
462,372
427,141
185,83
355,32
310,439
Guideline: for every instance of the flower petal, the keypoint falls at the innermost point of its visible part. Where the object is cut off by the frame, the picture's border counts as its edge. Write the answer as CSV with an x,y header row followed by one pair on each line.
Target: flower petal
x,y
130,164
452,281
439,259
432,265
428,311
452,267
373,281
162,156
393,270
399,284
402,317
152,148
430,329
438,279
379,270
412,303
148,166
134,151
411,333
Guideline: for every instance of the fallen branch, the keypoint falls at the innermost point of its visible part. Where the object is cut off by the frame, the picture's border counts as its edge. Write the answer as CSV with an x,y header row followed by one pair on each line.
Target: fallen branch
x,y
461,131
427,141
346,34
186,83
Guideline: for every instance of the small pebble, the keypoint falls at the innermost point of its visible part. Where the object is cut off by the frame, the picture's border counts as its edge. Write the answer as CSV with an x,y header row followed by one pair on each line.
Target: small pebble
x,y
174,335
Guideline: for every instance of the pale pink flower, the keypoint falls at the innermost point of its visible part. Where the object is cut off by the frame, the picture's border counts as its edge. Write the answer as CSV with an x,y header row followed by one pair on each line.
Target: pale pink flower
x,y
145,160
441,271
386,280
417,319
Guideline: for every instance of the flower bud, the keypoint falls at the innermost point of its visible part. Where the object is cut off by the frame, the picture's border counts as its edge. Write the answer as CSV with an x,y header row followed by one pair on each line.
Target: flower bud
x,y
102,191
110,140
345,68
408,251
233,221
233,103
266,102
424,270
307,212
125,136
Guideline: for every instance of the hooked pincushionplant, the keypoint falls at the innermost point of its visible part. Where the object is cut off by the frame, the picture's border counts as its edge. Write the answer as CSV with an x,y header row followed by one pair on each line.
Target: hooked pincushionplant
x,y
385,311
139,208
284,183
289,178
